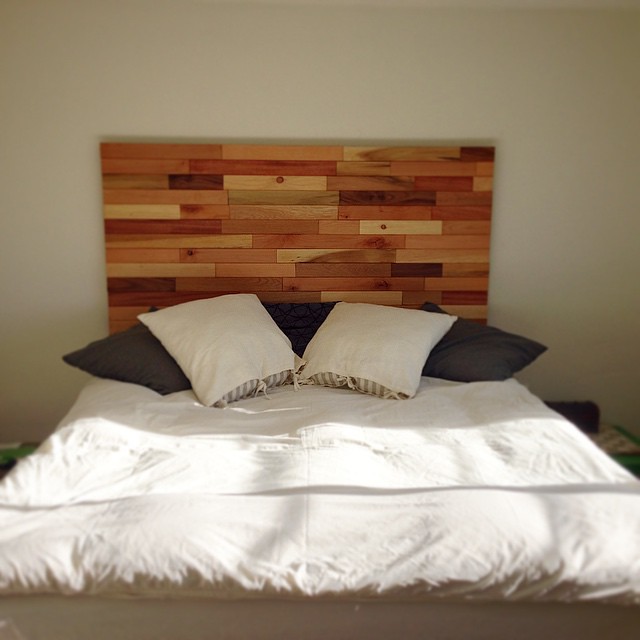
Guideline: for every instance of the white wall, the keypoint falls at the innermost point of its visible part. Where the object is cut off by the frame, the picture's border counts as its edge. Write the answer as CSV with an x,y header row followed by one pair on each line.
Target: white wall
x,y
556,91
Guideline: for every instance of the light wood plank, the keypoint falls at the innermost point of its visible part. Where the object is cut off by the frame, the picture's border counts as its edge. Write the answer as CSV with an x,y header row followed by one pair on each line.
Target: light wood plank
x,y
482,183
402,227
123,181
278,212
275,183
141,211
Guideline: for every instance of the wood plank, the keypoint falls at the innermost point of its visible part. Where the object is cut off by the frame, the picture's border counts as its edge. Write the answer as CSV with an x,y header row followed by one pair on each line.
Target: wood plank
x,y
228,255
126,313
204,211
353,284
159,150
124,181
142,255
229,284
447,242
162,196
255,227
391,298
389,212
148,227
466,227
442,255
460,198
337,255
264,167
371,183
275,183
279,212
335,227
283,197
364,169
456,284
327,242
159,270
289,296
461,213
163,241
381,154
398,198
432,269
157,298
464,297
351,270
483,183
247,270
137,166
141,211
141,284
405,227
196,182
484,168
445,183
433,169
471,270
281,152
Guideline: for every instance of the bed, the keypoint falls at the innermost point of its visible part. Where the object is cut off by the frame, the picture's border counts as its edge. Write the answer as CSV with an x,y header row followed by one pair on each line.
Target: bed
x,y
354,461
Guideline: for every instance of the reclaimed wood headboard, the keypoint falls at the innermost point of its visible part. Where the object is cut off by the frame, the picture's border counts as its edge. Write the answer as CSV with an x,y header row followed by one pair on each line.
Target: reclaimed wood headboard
x,y
387,225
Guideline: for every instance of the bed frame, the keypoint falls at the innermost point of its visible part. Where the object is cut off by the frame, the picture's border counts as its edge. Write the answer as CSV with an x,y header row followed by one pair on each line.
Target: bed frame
x,y
386,225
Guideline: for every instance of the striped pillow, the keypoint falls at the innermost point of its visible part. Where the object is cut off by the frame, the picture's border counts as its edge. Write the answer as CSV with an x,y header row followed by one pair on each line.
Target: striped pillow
x,y
373,349
252,388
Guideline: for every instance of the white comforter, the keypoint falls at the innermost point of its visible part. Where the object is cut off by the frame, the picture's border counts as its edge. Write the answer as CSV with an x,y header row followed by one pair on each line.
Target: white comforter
x,y
467,490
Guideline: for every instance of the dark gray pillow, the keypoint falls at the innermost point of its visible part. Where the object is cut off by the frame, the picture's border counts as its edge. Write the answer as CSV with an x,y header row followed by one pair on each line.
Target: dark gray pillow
x,y
471,352
299,321
134,355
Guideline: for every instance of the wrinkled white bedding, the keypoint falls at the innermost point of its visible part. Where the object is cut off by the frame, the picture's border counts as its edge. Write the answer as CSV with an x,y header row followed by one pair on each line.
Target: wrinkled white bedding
x,y
472,490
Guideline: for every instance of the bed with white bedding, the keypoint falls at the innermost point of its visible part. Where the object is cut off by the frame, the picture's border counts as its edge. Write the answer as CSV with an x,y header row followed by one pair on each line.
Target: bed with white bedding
x,y
319,510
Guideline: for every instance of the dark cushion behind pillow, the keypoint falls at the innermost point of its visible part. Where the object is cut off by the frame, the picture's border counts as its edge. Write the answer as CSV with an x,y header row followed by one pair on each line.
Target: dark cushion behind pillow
x,y
299,321
471,352
134,355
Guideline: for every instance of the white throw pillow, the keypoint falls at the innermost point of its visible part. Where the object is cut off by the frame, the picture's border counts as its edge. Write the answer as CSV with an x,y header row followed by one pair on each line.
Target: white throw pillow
x,y
373,348
229,347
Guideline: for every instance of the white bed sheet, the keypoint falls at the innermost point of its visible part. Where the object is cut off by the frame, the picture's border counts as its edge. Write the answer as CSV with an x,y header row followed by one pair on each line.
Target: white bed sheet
x,y
466,492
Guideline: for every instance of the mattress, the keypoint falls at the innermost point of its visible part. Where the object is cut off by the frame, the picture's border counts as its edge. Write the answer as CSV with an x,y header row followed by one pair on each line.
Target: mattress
x,y
469,492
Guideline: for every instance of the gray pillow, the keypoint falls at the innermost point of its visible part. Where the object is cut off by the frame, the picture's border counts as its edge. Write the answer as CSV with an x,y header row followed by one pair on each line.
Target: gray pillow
x,y
134,355
471,352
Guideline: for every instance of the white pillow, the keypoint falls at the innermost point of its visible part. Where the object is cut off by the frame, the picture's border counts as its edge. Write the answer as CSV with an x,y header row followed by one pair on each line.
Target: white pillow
x,y
229,347
373,348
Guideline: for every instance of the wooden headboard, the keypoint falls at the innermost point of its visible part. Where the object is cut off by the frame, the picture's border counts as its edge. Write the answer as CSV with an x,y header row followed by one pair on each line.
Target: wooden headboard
x,y
387,225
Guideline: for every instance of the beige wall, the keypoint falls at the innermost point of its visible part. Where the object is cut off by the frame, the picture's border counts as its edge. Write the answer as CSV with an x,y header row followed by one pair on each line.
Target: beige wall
x,y
557,93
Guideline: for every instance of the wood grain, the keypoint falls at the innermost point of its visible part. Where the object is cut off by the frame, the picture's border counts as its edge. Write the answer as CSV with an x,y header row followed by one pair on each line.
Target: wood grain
x,y
394,225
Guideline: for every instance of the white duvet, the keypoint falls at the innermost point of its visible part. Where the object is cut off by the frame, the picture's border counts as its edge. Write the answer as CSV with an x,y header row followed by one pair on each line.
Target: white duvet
x,y
474,491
